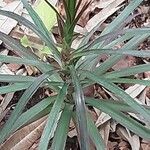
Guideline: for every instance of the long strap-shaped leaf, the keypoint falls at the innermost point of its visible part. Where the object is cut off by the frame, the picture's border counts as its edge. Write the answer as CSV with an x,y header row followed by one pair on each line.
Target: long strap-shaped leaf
x,y
52,119
14,87
117,105
127,72
123,119
124,14
121,94
132,44
39,64
113,25
14,44
115,34
16,78
21,104
34,113
80,111
62,128
141,53
130,81
31,26
38,22
24,52
36,19
95,135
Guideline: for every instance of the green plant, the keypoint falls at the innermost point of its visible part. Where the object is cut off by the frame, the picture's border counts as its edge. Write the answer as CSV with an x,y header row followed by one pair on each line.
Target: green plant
x,y
74,72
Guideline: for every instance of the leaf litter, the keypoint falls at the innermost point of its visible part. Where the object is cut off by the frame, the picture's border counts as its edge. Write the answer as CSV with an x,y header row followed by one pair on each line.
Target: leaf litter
x,y
115,136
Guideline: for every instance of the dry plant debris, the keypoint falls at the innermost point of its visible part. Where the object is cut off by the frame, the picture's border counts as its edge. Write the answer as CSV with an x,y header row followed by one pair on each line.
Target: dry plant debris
x,y
115,136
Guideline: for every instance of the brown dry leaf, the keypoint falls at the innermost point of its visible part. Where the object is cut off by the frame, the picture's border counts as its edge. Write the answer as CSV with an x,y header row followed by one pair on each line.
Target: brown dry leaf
x,y
126,62
123,145
5,70
3,52
103,3
7,24
104,131
6,100
112,145
29,70
145,145
29,140
3,114
132,139
72,130
85,16
135,90
13,67
21,134
100,17
143,9
103,118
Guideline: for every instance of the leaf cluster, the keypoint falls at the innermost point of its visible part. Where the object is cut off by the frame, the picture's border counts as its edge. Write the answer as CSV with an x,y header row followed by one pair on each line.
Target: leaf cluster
x,y
75,71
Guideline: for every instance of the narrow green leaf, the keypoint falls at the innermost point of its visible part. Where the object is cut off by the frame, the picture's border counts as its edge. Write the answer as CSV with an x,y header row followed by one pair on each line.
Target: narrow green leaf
x,y
142,53
114,25
39,64
34,113
117,105
95,135
130,81
123,15
23,21
14,44
123,119
16,78
63,126
52,119
121,94
110,45
31,26
68,15
21,104
111,61
14,87
115,34
71,8
127,72
38,22
80,111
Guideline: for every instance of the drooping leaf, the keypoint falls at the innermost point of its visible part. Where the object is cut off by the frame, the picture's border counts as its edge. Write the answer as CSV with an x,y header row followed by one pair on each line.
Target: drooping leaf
x,y
95,135
80,111
14,87
21,104
111,61
141,53
130,81
52,119
39,24
123,119
117,105
127,72
14,44
63,126
39,64
39,110
121,94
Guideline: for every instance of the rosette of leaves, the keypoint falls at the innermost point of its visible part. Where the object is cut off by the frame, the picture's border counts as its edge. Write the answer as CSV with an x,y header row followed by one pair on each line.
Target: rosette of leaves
x,y
76,70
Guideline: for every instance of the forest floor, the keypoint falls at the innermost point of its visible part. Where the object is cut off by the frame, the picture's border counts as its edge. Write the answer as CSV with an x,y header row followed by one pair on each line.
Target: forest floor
x,y
116,137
